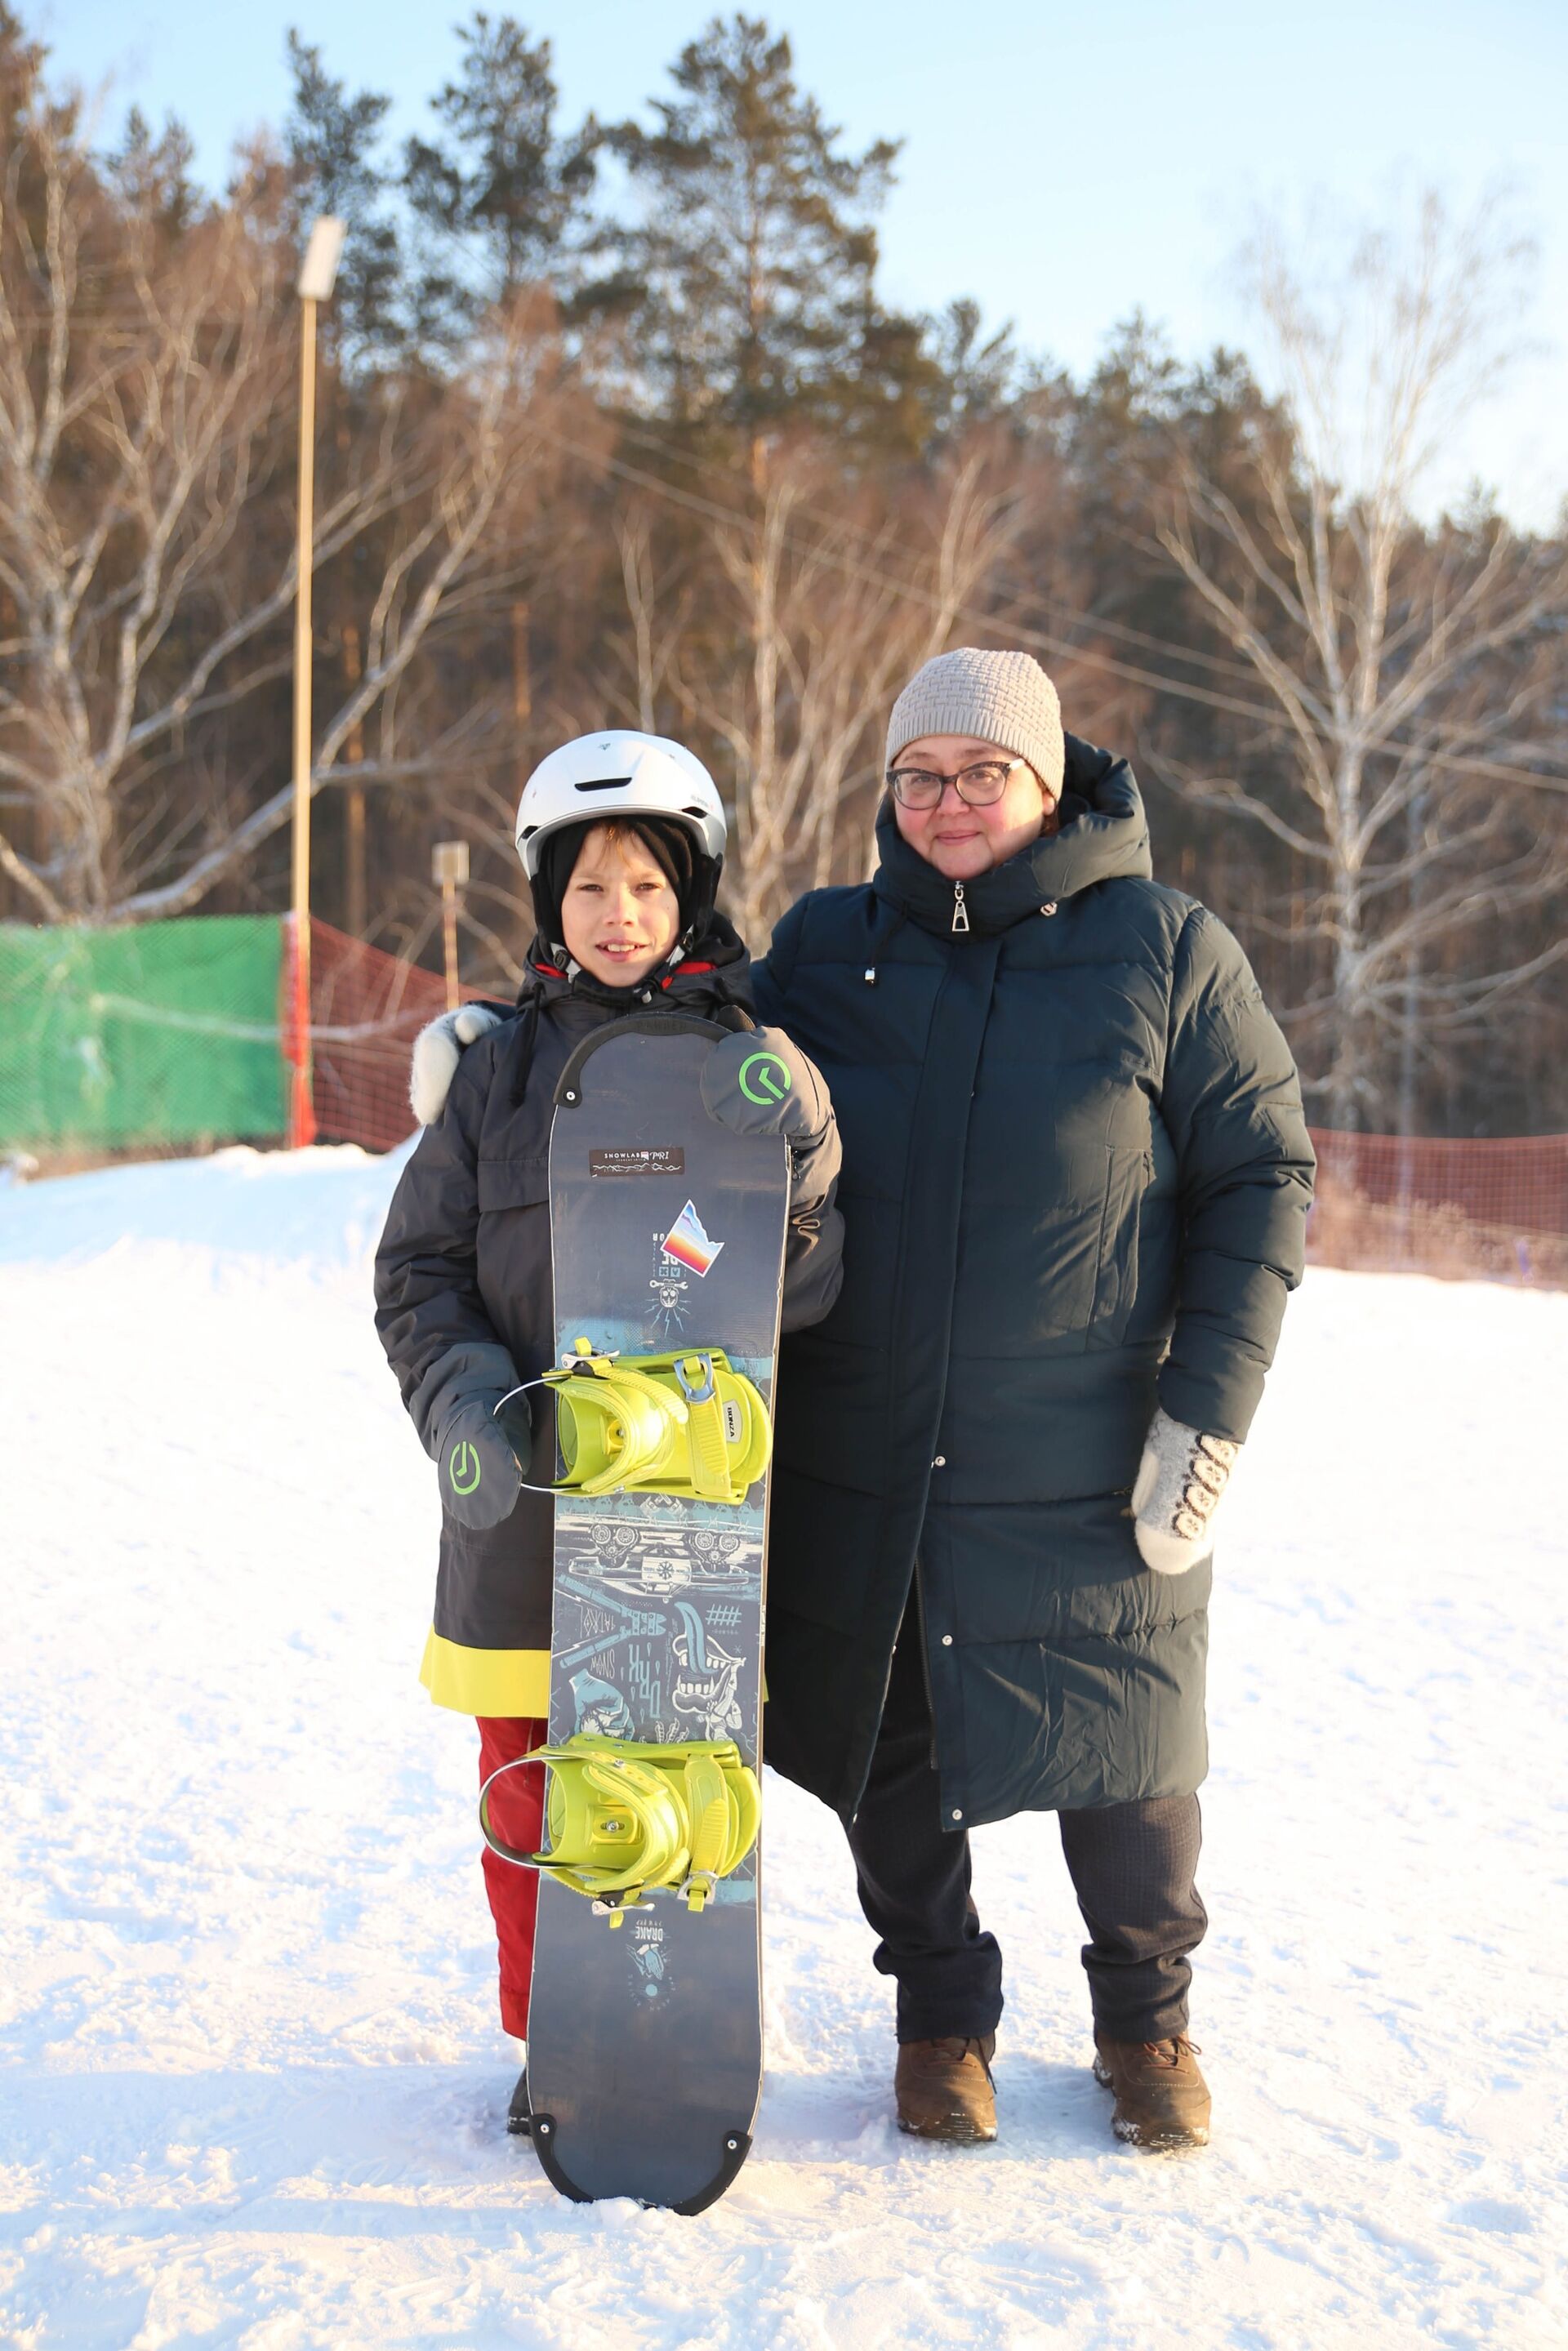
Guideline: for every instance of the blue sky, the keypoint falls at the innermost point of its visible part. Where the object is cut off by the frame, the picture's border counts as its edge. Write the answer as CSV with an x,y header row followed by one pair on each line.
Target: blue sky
x,y
1124,145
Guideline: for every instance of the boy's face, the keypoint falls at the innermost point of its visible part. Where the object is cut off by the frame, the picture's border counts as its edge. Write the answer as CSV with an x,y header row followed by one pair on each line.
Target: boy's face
x,y
620,914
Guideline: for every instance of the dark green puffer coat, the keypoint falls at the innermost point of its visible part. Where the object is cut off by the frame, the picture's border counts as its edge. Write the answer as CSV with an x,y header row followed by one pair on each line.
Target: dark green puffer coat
x,y
1075,1184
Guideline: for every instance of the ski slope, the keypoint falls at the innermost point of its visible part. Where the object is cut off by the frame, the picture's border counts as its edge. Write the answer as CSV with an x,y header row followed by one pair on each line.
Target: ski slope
x,y
254,2084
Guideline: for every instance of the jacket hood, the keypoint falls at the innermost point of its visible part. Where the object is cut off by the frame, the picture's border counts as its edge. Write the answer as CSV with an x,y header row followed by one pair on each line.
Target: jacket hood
x,y
1103,836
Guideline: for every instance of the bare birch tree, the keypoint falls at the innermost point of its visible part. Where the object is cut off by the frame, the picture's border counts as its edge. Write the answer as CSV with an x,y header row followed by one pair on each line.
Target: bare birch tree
x,y
146,568
825,607
1410,671
654,632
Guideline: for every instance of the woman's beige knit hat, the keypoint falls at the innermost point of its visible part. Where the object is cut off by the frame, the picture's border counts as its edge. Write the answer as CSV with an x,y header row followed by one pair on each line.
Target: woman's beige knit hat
x,y
1004,698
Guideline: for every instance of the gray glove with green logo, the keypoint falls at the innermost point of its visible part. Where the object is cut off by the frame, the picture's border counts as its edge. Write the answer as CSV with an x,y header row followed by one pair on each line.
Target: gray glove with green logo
x,y
484,1457
758,1082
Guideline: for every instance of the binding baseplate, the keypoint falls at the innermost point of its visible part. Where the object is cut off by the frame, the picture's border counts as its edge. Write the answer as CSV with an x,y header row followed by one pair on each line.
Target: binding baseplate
x,y
627,1817
686,1424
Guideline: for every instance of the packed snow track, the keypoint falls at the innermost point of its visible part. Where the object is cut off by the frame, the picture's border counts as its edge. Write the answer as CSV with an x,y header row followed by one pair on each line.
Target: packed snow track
x,y
254,2085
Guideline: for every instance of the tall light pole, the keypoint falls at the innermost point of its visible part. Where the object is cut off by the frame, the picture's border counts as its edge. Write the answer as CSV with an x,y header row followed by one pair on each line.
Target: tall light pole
x,y
317,274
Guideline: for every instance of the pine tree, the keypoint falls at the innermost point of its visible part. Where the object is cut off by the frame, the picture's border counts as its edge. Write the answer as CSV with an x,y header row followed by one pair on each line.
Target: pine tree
x,y
21,63
751,274
499,196
331,140
152,175
983,374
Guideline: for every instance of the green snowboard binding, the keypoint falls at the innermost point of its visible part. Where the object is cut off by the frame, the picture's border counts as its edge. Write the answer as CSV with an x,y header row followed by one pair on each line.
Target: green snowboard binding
x,y
684,1424
628,1816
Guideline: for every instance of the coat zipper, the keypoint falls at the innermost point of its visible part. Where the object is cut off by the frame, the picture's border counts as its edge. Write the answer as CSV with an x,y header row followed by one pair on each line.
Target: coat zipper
x,y
960,912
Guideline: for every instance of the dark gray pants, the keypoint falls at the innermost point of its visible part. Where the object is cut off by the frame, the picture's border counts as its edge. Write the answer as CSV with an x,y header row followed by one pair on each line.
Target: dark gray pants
x,y
1132,1869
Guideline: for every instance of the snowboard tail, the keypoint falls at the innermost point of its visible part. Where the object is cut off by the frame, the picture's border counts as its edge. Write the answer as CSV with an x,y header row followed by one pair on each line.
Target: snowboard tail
x,y
733,2149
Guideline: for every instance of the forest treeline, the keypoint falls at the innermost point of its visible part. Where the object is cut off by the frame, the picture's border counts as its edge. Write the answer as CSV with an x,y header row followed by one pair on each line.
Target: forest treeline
x,y
615,425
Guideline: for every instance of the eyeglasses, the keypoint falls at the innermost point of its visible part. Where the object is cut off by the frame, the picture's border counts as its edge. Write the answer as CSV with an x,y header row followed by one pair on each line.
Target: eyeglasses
x,y
980,785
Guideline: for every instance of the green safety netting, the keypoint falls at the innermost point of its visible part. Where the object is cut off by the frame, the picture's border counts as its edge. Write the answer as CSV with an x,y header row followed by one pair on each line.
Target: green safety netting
x,y
161,1033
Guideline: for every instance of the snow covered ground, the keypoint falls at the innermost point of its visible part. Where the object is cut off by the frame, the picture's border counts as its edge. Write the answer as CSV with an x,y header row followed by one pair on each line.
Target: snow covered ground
x,y
253,2083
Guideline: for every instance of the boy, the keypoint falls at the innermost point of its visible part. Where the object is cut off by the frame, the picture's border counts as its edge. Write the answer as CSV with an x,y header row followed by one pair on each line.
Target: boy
x,y
622,837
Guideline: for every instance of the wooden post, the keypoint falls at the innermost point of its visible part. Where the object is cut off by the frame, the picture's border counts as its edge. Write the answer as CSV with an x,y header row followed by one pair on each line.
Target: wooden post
x,y
318,275
449,867
301,1118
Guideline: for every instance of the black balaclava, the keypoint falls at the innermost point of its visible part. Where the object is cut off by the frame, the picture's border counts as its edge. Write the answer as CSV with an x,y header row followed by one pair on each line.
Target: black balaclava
x,y
692,876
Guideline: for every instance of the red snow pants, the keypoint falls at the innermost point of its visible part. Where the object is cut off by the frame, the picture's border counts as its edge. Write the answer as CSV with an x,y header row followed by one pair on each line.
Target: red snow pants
x,y
517,1815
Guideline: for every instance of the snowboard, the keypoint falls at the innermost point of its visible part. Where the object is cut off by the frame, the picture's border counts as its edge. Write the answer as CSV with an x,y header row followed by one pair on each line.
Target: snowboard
x,y
668,1231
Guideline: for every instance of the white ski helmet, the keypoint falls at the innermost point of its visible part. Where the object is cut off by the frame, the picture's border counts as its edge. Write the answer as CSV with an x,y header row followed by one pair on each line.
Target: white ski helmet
x,y
620,773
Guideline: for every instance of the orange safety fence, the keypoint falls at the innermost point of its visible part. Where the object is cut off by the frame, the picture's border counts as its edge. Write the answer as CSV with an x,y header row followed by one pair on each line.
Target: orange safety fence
x,y
1494,1209
366,1009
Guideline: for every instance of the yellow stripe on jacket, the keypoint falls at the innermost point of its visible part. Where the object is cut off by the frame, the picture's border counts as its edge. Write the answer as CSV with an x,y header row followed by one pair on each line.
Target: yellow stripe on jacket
x,y
504,1682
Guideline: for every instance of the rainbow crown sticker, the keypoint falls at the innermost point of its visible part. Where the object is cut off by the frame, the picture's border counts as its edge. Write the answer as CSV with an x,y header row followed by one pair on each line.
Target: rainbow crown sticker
x,y
688,1244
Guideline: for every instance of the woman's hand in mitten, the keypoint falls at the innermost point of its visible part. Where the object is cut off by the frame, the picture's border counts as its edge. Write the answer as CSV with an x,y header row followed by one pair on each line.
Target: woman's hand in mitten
x,y
484,1453
1180,1479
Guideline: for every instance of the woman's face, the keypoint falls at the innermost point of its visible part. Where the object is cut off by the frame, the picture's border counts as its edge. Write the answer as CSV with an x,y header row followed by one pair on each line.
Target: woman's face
x,y
959,841
619,913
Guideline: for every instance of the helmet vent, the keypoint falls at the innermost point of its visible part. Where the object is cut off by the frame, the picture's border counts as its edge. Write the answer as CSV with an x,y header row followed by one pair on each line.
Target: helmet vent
x,y
603,784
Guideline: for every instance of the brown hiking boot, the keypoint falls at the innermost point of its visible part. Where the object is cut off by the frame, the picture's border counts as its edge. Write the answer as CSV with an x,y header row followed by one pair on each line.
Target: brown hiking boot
x,y
1162,2099
945,2089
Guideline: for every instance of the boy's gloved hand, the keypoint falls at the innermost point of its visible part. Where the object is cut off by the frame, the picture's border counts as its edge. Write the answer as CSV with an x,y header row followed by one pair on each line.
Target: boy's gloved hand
x,y
485,1448
1180,1479
761,1083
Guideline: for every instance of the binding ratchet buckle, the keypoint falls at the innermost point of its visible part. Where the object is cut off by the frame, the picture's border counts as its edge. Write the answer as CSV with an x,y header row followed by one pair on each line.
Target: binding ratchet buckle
x,y
701,1390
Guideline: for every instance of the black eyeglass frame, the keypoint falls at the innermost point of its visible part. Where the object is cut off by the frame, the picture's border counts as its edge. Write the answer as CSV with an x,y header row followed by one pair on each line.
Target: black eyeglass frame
x,y
975,766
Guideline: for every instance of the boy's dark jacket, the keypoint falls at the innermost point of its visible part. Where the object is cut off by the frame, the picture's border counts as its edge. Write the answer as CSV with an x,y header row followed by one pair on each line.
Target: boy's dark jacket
x,y
464,1303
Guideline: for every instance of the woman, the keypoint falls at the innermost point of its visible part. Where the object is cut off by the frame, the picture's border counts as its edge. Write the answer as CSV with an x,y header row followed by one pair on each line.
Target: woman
x,y
1075,1190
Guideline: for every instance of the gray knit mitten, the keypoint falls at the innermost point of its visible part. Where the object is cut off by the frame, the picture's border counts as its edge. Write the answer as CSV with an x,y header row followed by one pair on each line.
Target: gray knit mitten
x,y
1180,1479
437,1049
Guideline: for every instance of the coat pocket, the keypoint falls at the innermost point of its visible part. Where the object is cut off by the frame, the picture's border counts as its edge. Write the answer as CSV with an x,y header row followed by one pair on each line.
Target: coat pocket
x,y
512,1183
1129,1174
514,1259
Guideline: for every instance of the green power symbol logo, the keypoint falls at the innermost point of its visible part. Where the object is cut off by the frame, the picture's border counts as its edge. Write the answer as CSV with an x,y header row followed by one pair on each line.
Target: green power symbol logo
x,y
463,1469
772,1080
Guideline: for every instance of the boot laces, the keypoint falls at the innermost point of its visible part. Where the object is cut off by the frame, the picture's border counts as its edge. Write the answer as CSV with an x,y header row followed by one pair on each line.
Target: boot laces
x,y
1178,2046
951,2045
